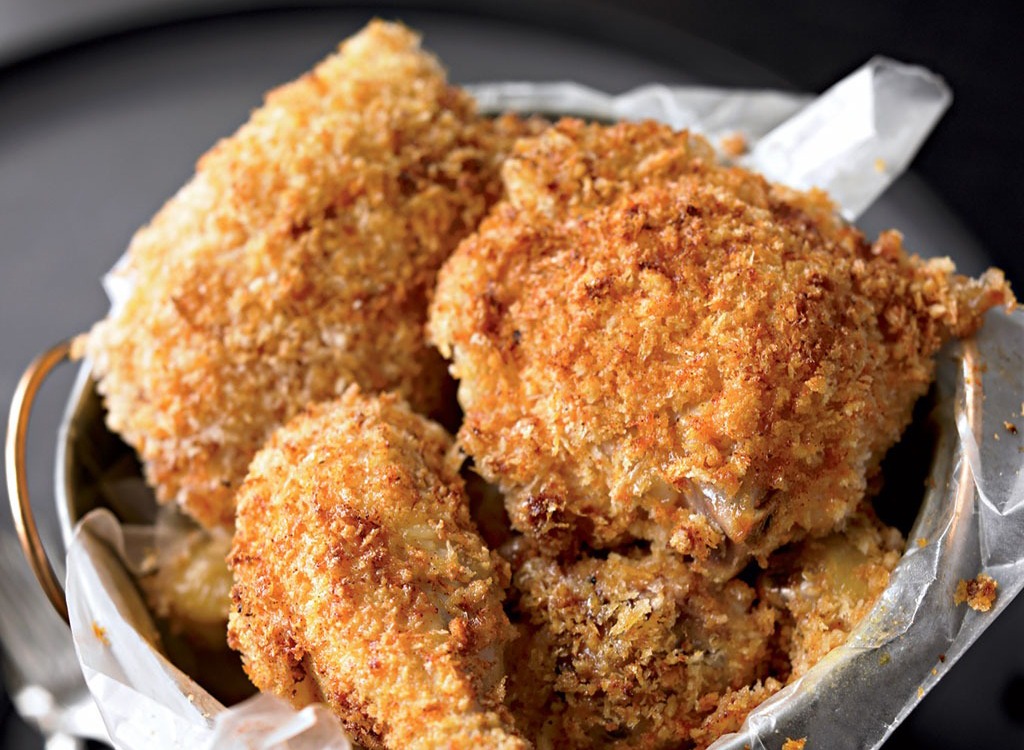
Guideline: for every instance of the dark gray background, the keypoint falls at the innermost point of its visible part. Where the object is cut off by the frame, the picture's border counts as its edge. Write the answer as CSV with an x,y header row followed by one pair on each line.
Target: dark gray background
x,y
149,101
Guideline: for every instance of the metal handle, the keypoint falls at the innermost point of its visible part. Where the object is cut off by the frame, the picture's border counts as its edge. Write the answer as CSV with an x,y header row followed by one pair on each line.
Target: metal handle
x,y
17,484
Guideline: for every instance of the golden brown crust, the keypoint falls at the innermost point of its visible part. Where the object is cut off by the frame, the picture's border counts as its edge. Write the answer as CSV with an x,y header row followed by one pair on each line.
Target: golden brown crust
x,y
623,652
639,651
360,580
824,587
298,260
650,345
731,709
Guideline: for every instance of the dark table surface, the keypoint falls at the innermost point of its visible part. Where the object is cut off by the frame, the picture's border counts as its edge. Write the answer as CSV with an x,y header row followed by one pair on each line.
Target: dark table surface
x,y
58,238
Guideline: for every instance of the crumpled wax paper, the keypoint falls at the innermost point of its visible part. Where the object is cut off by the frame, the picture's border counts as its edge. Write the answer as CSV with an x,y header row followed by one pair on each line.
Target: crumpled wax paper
x,y
852,141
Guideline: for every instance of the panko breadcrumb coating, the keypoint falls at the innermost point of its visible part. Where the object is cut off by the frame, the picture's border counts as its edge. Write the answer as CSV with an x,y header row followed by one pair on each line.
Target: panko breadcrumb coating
x,y
824,587
297,260
632,651
731,709
361,582
639,651
650,345
979,592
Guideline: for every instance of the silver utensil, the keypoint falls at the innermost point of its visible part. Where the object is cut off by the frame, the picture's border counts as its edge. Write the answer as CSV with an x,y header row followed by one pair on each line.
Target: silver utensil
x,y
40,667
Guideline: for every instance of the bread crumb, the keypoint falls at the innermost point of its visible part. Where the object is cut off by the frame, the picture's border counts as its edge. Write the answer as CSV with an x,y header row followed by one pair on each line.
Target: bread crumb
x,y
934,671
979,593
920,692
1010,427
101,633
880,165
884,659
733,145
922,541
995,435
794,744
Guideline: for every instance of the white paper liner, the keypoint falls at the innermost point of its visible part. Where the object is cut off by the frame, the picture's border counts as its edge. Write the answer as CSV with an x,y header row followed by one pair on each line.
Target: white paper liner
x,y
877,119
853,141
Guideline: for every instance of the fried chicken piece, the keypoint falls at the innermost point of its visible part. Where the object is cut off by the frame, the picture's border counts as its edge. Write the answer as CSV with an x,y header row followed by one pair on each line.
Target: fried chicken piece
x,y
632,651
190,586
187,586
296,261
361,582
650,345
824,587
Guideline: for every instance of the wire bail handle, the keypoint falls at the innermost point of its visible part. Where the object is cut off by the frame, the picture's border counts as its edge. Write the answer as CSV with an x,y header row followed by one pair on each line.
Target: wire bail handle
x,y
17,483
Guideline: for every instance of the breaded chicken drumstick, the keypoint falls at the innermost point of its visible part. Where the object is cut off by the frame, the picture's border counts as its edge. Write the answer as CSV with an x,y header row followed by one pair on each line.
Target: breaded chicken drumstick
x,y
361,582
651,345
296,261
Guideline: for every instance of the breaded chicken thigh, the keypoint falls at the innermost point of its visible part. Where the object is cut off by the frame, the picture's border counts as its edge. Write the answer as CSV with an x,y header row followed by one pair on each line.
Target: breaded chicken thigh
x,y
631,651
636,650
361,582
650,345
298,260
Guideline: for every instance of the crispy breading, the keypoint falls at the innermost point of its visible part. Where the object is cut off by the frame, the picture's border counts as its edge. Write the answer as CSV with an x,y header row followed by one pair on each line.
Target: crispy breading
x,y
361,582
731,709
624,651
297,260
980,592
824,587
650,345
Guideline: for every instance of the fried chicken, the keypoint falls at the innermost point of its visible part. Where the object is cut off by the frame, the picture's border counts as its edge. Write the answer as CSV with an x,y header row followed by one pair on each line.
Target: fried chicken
x,y
636,650
652,346
824,587
297,260
361,582
667,367
631,651
190,586
187,586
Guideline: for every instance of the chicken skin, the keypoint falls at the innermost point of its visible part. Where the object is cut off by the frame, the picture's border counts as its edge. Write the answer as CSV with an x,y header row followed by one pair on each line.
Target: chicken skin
x,y
650,345
298,260
361,582
631,651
